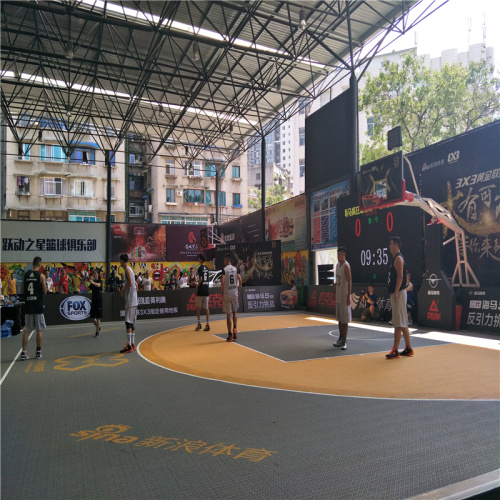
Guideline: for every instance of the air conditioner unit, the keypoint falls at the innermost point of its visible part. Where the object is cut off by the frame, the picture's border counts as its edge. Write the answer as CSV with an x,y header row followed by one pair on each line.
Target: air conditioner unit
x,y
150,208
179,193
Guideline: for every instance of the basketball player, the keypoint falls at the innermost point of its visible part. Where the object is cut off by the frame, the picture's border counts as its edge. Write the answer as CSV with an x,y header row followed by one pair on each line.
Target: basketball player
x,y
34,288
231,289
203,292
129,291
397,292
343,281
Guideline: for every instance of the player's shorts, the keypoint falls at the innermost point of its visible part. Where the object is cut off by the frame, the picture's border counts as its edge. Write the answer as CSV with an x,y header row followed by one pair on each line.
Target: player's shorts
x,y
96,310
34,322
399,312
230,306
202,302
131,315
343,312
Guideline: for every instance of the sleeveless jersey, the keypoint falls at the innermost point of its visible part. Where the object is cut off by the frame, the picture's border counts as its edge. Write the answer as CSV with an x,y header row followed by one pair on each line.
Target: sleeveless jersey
x,y
203,288
33,293
230,291
131,293
341,282
393,275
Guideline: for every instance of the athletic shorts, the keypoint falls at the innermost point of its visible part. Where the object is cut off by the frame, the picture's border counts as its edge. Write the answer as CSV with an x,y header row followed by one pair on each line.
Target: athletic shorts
x,y
131,315
230,306
34,322
399,312
202,302
96,310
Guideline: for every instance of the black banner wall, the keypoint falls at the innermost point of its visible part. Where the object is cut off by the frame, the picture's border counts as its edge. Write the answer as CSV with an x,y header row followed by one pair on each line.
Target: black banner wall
x,y
462,174
259,264
481,310
188,301
152,305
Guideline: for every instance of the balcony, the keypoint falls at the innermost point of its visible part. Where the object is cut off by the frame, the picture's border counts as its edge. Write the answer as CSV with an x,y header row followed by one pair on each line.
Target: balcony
x,y
237,179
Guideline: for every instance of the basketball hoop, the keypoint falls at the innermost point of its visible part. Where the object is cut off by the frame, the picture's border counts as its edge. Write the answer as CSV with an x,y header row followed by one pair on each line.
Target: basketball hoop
x,y
369,203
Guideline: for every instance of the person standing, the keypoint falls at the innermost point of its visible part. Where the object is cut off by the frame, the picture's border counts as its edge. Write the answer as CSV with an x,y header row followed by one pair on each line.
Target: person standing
x,y
397,293
343,282
192,281
49,282
34,288
75,281
203,292
95,286
129,291
12,288
147,282
63,282
231,289
112,282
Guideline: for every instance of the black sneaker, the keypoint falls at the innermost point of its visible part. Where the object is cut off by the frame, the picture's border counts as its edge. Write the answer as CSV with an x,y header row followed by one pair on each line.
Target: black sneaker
x,y
97,334
39,354
406,352
394,354
24,356
338,343
198,327
207,328
229,337
128,348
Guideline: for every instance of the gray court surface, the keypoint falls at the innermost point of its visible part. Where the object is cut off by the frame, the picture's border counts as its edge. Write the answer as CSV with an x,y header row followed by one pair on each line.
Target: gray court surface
x,y
81,423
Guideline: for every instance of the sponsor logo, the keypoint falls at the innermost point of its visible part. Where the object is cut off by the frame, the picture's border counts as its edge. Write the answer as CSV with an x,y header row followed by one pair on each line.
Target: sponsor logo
x,y
433,313
75,308
433,280
453,157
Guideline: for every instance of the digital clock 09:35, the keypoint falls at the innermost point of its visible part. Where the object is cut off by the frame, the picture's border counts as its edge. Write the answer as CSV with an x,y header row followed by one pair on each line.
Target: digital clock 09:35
x,y
378,257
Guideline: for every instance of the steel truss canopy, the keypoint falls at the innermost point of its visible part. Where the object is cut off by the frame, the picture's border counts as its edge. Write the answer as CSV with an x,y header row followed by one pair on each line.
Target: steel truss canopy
x,y
200,74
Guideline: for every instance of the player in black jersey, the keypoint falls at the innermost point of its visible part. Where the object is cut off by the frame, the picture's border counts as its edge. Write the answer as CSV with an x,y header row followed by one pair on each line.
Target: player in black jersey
x,y
34,288
202,296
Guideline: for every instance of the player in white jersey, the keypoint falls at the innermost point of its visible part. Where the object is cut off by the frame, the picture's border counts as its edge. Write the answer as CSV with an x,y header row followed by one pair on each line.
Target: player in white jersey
x,y
231,289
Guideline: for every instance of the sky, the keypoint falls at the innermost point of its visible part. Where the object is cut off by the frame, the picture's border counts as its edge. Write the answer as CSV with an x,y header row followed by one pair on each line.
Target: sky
x,y
448,28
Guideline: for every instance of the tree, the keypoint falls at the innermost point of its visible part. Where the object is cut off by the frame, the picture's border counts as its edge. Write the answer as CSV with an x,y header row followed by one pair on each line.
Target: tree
x,y
430,105
274,194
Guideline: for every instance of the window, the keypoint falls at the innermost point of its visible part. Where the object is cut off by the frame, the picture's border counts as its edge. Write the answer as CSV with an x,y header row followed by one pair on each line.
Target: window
x,y
136,182
236,200
193,168
210,170
302,170
370,123
79,216
170,166
302,136
187,219
135,159
193,195
170,195
52,186
86,156
23,185
257,176
222,198
136,210
236,172
51,152
26,152
83,188
113,191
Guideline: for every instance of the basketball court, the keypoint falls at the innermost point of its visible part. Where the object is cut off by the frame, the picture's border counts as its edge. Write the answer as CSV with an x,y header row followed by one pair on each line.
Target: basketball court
x,y
278,414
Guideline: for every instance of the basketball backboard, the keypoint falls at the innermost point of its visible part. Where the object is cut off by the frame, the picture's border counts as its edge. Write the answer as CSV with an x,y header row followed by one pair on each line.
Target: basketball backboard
x,y
382,180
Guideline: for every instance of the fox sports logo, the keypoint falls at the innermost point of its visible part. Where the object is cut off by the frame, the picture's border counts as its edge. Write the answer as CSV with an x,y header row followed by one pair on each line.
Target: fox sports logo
x,y
75,308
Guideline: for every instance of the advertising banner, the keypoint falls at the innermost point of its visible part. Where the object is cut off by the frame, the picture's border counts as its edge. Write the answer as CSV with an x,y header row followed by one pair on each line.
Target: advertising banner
x,y
264,298
322,299
286,221
324,215
245,229
188,302
152,305
259,264
53,241
463,175
481,310
141,242
183,242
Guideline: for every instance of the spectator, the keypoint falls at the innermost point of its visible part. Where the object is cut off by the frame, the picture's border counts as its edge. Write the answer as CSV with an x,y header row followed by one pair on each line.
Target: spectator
x,y
63,282
370,299
76,283
192,280
147,282
49,282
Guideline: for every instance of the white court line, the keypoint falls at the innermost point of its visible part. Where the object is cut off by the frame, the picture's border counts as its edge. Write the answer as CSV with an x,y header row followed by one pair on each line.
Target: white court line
x,y
359,325
460,339
14,360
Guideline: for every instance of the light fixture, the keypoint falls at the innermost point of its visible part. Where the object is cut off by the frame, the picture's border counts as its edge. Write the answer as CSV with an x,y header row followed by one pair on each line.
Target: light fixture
x,y
69,50
278,84
231,128
302,19
196,51
68,109
186,150
162,114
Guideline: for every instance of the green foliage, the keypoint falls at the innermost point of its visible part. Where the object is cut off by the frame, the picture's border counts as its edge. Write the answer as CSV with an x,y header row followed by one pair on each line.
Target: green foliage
x,y
274,194
430,105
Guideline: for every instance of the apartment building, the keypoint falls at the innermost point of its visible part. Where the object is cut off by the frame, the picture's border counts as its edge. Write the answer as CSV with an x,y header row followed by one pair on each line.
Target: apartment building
x,y
41,183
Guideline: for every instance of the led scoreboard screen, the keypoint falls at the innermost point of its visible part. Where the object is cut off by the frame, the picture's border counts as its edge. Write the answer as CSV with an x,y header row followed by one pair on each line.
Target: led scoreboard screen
x,y
366,238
